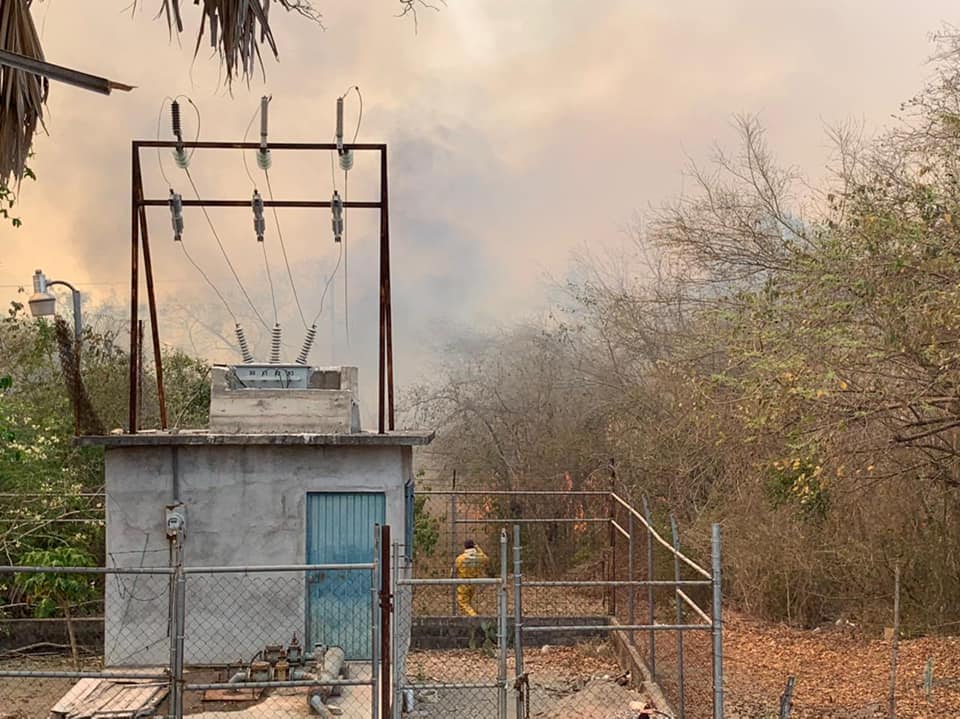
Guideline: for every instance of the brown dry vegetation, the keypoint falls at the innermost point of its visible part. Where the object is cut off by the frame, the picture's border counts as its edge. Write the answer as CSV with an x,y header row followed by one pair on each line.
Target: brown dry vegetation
x,y
779,358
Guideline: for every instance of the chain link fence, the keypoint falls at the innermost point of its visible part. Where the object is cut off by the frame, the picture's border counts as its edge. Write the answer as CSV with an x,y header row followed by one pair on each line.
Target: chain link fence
x,y
451,641
613,617
254,642
55,647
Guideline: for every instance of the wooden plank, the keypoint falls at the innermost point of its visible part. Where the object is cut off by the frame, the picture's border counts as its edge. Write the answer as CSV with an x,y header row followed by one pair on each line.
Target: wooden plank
x,y
243,694
76,694
103,698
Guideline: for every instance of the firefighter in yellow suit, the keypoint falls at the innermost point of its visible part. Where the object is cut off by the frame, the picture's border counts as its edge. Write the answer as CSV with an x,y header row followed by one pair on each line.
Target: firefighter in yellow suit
x,y
471,564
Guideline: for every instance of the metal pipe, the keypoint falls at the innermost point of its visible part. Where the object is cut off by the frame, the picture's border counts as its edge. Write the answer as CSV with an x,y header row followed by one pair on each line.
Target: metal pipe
x,y
375,627
353,204
10,569
616,526
518,614
443,581
612,573
211,145
502,627
539,520
278,568
631,576
385,258
510,492
398,671
280,685
20,674
717,624
152,306
386,612
653,532
620,628
453,685
651,619
676,574
693,605
453,547
620,583
179,621
59,73
134,288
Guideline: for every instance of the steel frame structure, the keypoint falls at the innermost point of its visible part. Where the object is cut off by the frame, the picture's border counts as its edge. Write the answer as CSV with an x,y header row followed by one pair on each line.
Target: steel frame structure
x,y
140,239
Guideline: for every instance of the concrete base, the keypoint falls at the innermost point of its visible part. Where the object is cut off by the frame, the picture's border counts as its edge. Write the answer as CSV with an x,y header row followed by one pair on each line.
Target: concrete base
x,y
328,403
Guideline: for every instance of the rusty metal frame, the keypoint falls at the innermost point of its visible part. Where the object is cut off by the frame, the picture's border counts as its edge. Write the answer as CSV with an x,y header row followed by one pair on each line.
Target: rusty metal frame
x,y
140,239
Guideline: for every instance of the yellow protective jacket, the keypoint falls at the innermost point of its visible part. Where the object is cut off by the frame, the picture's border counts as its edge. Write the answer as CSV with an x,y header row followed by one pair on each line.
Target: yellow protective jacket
x,y
472,564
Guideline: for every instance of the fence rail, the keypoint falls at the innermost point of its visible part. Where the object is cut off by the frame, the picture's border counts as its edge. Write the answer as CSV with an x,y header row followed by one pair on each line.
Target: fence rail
x,y
276,641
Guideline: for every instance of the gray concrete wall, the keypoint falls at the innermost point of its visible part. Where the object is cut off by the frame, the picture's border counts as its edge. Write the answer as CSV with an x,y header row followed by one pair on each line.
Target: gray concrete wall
x,y
245,505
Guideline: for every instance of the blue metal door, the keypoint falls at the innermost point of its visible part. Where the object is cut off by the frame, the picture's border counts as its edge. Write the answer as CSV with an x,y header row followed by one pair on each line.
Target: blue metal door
x,y
340,531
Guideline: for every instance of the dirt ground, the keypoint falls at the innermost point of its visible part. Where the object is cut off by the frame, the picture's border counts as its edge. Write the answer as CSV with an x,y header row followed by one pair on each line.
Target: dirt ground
x,y
583,681
840,673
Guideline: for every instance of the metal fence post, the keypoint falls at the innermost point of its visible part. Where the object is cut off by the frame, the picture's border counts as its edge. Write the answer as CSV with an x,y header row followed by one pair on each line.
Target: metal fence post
x,y
650,576
676,595
386,612
179,620
502,628
717,617
453,550
518,617
631,576
375,627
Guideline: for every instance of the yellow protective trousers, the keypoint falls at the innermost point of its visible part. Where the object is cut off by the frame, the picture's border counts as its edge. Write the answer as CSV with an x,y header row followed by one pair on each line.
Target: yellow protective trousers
x,y
465,593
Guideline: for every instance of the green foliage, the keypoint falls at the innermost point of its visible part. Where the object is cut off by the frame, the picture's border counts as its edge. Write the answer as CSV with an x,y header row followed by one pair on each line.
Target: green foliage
x,y
8,198
54,592
799,481
426,528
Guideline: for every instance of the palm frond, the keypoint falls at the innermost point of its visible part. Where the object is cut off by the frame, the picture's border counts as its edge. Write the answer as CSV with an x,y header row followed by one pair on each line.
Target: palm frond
x,y
22,94
232,28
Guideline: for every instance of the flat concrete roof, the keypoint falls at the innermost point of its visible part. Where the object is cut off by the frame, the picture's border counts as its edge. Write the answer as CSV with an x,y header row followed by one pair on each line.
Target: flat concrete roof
x,y
202,437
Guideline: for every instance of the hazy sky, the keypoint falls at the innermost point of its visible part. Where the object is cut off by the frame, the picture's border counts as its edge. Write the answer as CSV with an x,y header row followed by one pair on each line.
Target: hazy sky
x,y
519,132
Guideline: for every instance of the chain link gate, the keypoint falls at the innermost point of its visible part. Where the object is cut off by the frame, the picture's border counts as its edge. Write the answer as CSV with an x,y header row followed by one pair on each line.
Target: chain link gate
x,y
447,665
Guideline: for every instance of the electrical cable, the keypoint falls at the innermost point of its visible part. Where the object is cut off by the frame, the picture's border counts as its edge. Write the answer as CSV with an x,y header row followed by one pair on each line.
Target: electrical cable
x,y
223,251
204,276
327,286
283,251
273,296
243,154
346,276
276,219
346,280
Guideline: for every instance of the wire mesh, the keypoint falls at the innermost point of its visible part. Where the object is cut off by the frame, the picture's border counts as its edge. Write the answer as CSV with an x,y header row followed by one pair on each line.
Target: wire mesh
x,y
276,644
448,642
581,550
57,652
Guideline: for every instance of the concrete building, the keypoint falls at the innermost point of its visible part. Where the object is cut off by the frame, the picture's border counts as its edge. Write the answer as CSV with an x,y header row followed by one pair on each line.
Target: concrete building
x,y
283,476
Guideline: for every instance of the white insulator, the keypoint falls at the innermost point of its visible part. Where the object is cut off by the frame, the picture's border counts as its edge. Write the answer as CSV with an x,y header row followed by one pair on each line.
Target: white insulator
x,y
275,345
307,345
264,160
176,214
346,160
181,157
244,348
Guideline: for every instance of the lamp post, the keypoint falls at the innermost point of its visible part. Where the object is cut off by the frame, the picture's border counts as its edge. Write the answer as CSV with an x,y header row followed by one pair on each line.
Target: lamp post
x,y
43,304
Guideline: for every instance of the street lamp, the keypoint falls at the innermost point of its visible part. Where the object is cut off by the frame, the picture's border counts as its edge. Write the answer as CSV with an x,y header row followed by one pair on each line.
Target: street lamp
x,y
43,304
